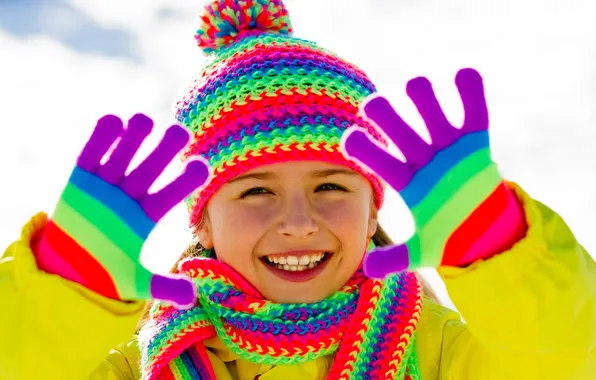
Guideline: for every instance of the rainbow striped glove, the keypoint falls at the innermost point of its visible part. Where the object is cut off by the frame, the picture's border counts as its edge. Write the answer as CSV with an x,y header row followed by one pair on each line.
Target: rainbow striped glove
x,y
103,217
452,187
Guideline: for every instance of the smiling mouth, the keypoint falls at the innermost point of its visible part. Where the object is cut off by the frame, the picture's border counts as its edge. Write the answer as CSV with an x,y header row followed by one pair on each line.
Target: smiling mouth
x,y
296,271
297,264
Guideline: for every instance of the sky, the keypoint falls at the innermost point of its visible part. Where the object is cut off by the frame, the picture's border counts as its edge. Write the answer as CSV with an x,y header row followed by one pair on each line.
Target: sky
x,y
66,63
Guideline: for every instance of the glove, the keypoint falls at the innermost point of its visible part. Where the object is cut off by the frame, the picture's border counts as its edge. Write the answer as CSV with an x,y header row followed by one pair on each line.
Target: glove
x,y
103,217
462,208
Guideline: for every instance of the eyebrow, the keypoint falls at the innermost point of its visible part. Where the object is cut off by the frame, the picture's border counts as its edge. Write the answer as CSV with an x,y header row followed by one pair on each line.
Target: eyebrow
x,y
315,174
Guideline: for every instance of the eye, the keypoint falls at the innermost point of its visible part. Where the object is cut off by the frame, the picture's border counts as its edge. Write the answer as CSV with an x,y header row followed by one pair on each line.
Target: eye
x,y
254,191
330,187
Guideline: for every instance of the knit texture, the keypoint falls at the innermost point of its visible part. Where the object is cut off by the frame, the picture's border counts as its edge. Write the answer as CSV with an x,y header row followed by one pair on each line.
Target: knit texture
x,y
369,324
265,96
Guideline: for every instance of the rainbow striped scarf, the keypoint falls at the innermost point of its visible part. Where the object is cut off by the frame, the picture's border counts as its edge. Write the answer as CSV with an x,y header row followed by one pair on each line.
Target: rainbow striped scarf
x,y
368,324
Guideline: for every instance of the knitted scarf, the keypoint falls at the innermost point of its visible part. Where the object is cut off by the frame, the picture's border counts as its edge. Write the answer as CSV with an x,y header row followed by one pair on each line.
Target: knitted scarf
x,y
369,324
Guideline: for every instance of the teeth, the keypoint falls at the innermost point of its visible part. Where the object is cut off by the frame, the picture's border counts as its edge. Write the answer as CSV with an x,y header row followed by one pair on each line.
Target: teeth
x,y
304,260
295,268
295,264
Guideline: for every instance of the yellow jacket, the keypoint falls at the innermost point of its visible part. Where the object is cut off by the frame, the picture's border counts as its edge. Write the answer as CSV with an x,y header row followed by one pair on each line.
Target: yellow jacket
x,y
530,314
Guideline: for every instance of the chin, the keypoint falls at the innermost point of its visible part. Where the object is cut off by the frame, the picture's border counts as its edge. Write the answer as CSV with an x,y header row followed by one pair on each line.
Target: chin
x,y
308,286
293,293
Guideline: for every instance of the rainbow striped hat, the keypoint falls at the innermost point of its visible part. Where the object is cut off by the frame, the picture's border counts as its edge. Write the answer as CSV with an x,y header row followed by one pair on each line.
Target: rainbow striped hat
x,y
265,96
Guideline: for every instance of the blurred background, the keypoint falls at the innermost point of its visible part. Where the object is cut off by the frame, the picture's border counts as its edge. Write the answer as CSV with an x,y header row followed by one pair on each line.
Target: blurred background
x,y
65,63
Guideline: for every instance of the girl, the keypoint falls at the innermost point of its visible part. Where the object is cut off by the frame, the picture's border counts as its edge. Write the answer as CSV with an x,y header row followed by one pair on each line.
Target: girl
x,y
286,178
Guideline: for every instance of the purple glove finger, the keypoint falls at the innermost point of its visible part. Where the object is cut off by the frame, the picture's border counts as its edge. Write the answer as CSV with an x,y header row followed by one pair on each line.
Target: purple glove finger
x,y
139,127
106,132
157,205
358,146
414,148
471,90
178,290
386,260
440,129
138,182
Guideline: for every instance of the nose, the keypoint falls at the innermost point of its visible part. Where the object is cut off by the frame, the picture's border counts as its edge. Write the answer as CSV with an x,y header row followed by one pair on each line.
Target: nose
x,y
297,218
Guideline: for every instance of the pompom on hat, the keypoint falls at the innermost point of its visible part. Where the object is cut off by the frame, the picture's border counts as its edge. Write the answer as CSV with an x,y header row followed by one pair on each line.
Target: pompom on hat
x,y
265,97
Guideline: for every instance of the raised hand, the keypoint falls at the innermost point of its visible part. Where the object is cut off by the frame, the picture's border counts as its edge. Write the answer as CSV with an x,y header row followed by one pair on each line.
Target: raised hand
x,y
443,183
104,216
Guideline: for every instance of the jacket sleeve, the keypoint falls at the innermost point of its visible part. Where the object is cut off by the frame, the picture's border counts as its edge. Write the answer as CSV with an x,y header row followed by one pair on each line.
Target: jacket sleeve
x,y
530,311
122,363
51,328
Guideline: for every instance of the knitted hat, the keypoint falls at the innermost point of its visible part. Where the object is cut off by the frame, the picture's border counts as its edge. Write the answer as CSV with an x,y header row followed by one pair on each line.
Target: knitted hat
x,y
265,97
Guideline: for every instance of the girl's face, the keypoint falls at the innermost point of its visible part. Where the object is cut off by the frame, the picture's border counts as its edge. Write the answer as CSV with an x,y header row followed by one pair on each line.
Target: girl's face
x,y
296,230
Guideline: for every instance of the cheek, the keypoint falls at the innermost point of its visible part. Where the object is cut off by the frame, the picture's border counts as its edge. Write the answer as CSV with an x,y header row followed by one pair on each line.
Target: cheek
x,y
347,219
348,223
237,230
